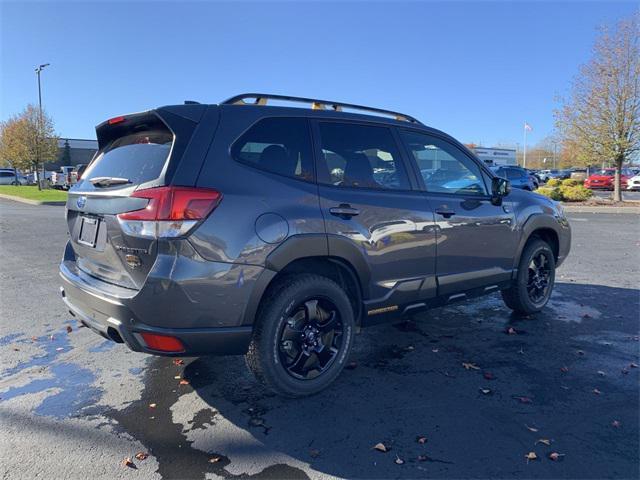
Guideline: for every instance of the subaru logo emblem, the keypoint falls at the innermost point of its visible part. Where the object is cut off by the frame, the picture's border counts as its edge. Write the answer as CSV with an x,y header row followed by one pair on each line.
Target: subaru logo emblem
x,y
81,202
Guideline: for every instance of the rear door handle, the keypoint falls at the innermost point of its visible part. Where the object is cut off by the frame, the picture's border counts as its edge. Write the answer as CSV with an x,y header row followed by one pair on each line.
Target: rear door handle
x,y
445,212
344,210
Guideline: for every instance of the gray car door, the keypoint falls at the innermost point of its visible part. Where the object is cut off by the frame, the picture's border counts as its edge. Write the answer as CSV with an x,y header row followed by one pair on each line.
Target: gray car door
x,y
476,240
373,215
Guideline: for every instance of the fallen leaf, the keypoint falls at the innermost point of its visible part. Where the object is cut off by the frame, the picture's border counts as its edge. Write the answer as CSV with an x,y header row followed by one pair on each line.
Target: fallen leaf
x,y
421,440
511,331
178,361
69,329
399,461
152,405
184,381
531,456
596,391
485,391
488,376
616,424
215,459
128,463
564,369
555,456
524,399
351,365
545,441
381,447
531,429
314,453
470,366
142,455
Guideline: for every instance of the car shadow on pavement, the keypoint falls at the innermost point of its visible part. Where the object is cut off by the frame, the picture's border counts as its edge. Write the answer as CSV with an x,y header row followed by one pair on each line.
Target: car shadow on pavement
x,y
462,391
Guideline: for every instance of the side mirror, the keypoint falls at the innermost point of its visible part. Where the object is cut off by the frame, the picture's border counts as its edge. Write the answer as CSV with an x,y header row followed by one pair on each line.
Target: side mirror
x,y
500,187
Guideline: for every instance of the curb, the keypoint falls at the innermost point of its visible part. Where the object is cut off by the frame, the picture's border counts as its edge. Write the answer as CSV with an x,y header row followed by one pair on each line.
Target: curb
x,y
31,202
597,209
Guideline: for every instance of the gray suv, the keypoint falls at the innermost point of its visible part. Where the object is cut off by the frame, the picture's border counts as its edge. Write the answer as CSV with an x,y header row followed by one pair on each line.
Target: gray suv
x,y
277,232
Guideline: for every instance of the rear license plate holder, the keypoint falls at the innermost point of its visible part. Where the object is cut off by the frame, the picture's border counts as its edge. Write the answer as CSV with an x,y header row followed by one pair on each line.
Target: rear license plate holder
x,y
88,231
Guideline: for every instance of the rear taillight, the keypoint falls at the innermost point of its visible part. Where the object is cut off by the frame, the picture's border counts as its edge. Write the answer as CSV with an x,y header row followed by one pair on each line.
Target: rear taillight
x,y
171,211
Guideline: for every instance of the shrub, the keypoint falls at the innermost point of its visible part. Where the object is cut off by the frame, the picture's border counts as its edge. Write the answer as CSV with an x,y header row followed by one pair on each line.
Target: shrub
x,y
552,193
571,182
554,182
575,193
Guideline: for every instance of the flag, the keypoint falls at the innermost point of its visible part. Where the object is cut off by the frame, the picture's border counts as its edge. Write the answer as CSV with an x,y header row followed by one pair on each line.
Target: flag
x,y
527,127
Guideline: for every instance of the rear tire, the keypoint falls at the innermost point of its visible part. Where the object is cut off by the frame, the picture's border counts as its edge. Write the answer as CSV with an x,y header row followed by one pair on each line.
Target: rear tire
x,y
533,285
303,335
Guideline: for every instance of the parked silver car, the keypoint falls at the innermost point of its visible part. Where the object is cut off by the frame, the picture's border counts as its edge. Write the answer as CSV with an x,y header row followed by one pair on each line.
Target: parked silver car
x,y
8,176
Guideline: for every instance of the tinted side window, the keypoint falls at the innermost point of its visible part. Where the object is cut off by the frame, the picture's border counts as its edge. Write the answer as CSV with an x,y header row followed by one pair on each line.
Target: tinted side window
x,y
360,156
443,166
278,145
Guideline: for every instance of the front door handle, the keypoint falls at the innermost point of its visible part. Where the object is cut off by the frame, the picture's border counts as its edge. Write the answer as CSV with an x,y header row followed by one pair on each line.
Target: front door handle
x,y
344,210
445,212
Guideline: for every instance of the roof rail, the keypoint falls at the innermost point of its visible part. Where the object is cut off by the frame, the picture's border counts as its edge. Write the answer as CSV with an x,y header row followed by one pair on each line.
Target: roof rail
x,y
316,104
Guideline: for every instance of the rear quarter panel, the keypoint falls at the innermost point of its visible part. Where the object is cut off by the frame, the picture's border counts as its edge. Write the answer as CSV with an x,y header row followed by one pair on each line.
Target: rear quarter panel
x,y
279,207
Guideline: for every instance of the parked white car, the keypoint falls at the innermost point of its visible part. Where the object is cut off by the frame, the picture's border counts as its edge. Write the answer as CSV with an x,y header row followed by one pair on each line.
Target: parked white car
x,y
633,183
8,177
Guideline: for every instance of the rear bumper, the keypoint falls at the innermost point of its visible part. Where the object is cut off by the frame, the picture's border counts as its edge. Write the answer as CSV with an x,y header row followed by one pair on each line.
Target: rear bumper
x,y
122,315
111,319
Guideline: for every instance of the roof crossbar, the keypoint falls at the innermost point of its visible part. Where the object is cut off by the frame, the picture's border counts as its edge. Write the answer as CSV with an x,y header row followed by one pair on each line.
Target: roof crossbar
x,y
316,104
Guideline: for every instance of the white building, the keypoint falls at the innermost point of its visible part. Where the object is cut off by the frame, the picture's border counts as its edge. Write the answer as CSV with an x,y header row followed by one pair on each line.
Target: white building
x,y
496,156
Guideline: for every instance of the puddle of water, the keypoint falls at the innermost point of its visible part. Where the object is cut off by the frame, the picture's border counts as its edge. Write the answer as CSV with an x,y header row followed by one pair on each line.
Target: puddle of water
x,y
6,340
53,345
103,347
73,391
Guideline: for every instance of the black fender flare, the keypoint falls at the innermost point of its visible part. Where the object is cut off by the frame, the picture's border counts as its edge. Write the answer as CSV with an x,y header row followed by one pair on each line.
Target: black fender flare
x,y
536,221
301,246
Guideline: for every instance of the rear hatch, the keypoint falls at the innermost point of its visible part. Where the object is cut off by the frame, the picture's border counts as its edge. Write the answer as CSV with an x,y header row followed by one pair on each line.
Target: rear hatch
x,y
137,154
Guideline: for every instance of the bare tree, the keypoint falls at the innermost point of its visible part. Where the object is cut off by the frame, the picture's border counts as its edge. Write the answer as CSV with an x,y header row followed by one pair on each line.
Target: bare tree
x,y
601,119
24,143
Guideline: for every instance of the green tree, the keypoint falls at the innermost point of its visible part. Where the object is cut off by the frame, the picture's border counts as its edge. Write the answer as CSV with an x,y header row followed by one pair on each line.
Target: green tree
x,y
66,153
26,142
601,119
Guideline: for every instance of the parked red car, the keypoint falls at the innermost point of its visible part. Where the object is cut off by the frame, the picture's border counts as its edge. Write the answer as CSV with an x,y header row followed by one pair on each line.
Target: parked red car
x,y
603,179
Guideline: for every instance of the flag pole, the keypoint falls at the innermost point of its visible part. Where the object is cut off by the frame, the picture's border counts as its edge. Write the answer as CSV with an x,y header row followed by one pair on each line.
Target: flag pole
x,y
524,155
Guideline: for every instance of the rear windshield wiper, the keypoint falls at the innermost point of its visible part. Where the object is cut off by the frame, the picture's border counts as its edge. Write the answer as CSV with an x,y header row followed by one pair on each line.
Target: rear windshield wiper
x,y
108,181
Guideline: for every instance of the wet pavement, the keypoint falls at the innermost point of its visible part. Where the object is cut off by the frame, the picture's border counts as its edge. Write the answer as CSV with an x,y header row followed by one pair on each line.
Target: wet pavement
x,y
484,387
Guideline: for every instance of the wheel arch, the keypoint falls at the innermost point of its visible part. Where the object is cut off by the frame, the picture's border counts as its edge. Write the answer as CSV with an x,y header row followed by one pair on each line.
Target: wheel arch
x,y
543,227
310,253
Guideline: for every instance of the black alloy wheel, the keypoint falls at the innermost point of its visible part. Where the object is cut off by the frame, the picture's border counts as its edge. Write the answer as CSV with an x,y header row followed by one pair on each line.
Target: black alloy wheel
x,y
310,338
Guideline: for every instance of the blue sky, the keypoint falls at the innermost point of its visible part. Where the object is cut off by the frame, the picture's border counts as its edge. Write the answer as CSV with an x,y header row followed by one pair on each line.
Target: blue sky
x,y
477,70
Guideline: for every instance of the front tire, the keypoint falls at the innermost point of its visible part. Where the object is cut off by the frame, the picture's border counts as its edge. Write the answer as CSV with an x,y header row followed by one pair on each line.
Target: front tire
x,y
533,285
303,335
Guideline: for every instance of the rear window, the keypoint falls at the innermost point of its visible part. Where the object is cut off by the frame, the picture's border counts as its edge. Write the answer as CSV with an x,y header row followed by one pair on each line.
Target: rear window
x,y
138,157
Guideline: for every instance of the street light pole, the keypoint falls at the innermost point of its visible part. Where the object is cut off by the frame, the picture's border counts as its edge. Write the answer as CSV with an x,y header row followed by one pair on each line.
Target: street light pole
x,y
38,70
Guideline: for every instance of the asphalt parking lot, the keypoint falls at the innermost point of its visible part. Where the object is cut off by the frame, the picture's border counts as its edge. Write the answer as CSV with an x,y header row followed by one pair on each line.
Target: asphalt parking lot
x,y
479,387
